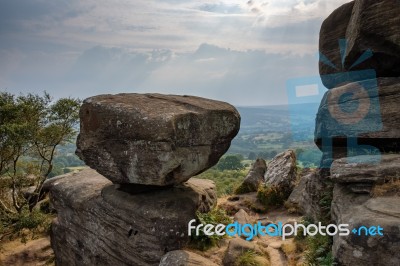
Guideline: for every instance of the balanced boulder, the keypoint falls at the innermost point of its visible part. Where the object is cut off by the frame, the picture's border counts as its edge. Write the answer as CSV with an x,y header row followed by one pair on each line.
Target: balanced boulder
x,y
154,139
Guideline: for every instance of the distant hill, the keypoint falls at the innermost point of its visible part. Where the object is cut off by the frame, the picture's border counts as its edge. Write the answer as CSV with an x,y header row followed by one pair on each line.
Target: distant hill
x,y
267,130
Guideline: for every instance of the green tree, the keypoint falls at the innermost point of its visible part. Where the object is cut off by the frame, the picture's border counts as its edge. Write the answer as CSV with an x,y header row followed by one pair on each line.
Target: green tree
x,y
31,128
230,162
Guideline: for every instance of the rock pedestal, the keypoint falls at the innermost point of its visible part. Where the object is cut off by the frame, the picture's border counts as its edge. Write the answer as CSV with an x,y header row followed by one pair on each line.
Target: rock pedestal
x,y
138,204
98,224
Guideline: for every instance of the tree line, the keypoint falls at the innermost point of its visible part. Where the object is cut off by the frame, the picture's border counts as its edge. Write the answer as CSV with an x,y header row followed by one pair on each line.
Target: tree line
x,y
32,126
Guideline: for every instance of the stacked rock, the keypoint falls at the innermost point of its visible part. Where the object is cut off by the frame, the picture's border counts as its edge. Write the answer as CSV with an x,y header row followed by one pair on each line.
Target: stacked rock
x,y
360,112
148,146
360,48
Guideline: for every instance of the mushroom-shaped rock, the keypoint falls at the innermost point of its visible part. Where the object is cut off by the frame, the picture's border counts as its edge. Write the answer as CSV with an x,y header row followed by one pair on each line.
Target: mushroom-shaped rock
x,y
154,139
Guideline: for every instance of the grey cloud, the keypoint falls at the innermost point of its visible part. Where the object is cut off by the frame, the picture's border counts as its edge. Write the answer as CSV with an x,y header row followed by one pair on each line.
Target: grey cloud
x,y
250,77
13,13
298,32
221,8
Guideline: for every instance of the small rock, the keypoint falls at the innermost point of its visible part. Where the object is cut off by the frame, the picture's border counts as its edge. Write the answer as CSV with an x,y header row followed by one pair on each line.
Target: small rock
x,y
242,217
184,258
275,245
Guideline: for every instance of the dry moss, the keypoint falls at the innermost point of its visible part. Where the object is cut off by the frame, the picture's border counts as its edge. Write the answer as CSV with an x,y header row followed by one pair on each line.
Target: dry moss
x,y
390,188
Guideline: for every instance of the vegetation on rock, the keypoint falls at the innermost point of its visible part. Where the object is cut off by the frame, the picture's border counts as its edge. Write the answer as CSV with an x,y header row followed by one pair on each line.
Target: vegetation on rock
x,y
214,217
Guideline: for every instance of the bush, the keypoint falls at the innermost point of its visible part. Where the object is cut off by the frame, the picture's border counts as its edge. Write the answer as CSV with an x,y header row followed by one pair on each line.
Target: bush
x,y
27,224
271,196
318,250
215,216
243,189
28,220
248,258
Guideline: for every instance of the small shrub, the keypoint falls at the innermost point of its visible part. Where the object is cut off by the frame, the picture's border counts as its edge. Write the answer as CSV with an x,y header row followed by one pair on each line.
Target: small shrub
x,y
325,204
243,189
248,258
271,196
27,223
318,251
306,221
30,220
289,248
215,216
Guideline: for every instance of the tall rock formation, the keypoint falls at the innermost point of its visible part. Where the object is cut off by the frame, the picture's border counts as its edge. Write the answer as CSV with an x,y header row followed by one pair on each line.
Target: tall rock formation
x,y
357,128
145,148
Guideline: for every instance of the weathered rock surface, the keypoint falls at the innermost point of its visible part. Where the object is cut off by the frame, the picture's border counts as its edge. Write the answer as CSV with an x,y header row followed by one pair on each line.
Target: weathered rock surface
x,y
375,25
255,176
184,258
307,194
281,172
360,115
386,168
98,224
362,210
154,139
365,25
332,30
371,116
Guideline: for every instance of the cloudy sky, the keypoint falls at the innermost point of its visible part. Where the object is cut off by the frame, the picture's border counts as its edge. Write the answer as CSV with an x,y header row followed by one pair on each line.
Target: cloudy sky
x,y
238,51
